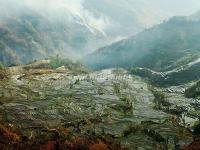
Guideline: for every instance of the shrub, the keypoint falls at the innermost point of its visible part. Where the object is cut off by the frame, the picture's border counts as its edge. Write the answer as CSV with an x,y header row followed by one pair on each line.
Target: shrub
x,y
159,99
56,62
76,67
7,135
194,91
1,65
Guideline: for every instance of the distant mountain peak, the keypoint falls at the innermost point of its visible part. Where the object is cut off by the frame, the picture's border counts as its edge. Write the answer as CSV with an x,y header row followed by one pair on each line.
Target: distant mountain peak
x,y
161,48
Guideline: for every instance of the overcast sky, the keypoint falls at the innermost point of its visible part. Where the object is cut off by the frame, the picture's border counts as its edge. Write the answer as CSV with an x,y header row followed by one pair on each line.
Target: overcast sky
x,y
178,7
167,8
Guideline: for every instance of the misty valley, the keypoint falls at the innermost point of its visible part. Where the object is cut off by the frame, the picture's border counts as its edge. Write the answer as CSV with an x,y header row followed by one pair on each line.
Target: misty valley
x,y
99,75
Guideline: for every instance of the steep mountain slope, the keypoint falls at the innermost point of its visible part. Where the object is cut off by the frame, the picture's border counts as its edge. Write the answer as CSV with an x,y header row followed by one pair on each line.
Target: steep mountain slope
x,y
162,48
193,91
32,30
127,17
178,76
27,38
26,35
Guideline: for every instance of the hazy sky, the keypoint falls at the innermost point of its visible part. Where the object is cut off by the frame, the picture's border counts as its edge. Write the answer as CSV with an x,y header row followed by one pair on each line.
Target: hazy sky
x,y
178,7
167,8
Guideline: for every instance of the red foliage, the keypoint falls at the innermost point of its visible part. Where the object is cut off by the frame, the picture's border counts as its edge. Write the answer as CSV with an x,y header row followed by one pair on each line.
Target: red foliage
x,y
91,144
193,146
13,141
50,145
77,144
98,145
7,135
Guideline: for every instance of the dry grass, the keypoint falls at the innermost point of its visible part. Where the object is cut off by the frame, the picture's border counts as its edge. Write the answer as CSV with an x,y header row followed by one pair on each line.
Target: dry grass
x,y
6,135
10,140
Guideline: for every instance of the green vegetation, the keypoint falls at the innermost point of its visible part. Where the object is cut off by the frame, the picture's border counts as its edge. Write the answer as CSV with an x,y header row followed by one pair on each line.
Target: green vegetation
x,y
117,88
164,79
194,91
128,103
3,74
196,129
1,65
164,47
159,100
147,73
56,62
29,36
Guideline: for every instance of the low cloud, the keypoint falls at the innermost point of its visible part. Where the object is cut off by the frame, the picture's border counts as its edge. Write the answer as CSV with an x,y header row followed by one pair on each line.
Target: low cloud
x,y
54,8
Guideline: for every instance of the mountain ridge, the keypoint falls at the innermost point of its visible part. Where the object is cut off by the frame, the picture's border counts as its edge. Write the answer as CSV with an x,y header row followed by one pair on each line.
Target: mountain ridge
x,y
72,30
161,48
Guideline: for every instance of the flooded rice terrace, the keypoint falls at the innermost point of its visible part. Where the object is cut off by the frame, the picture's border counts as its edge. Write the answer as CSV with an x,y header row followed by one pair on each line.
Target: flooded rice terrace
x,y
110,105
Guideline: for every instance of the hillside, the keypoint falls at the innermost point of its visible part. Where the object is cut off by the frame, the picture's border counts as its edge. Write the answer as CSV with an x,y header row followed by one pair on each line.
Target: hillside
x,y
127,17
99,75
42,107
172,44
28,35
177,76
193,91
27,32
